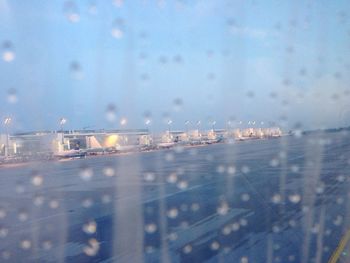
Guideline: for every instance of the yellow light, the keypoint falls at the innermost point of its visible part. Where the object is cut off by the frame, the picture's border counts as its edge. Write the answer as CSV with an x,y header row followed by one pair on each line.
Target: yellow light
x,y
111,140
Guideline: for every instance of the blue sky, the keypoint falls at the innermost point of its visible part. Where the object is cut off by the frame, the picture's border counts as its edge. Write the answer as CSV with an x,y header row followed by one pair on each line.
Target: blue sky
x,y
219,60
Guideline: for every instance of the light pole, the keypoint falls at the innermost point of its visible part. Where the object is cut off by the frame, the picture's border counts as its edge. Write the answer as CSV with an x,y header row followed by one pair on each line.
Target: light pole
x,y
169,124
187,123
62,122
213,125
7,122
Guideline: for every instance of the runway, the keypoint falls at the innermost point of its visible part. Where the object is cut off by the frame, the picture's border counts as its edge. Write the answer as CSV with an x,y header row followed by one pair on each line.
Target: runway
x,y
277,200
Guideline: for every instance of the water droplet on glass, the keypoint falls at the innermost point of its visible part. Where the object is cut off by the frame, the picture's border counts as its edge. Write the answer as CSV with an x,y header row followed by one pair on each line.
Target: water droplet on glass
x,y
172,178
118,28
182,184
86,173
37,180
149,177
47,245
223,208
90,227
71,11
54,204
3,232
111,112
172,213
76,70
23,216
294,198
150,228
178,104
108,171
38,200
92,248
12,96
187,249
3,213
25,244
214,245
8,53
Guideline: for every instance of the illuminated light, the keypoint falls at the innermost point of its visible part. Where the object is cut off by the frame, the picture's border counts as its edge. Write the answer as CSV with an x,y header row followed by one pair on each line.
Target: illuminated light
x,y
111,140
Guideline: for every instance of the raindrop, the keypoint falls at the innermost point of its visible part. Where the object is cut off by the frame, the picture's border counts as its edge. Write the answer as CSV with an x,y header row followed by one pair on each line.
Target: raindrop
x,y
8,53
2,213
295,198
226,230
178,104
106,199
235,226
25,244
163,59
23,216
294,168
86,173
108,171
87,203
274,162
187,249
169,157
245,169
245,197
173,236
118,28
244,260
214,245
54,204
173,213
90,227
220,169
150,228
149,177
71,11
243,222
223,208
182,184
92,248
338,220
149,249
47,245
178,59
12,96
195,207
276,199
37,180
38,200
231,170
172,178
3,232
76,70
111,112
123,121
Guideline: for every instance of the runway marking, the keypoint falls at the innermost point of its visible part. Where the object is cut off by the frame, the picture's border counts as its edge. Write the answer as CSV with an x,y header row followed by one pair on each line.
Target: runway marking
x,y
337,252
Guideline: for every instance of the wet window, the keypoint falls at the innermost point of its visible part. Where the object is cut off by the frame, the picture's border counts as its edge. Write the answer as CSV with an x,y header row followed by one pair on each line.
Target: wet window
x,y
174,131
